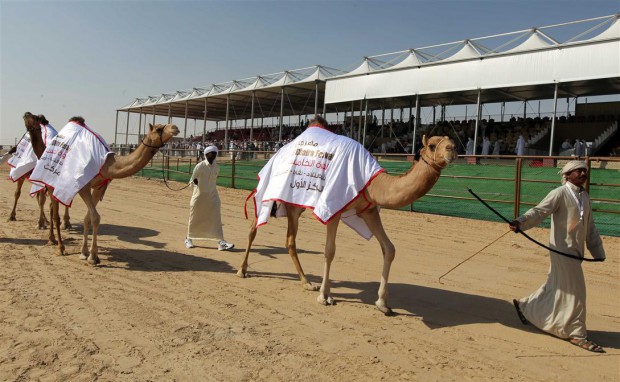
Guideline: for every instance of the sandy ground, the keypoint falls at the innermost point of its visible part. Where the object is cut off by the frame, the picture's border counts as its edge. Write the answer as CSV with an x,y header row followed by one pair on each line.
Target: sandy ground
x,y
156,311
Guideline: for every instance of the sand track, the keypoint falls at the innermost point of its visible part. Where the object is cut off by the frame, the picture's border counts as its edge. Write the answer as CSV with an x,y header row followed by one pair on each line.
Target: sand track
x,y
155,310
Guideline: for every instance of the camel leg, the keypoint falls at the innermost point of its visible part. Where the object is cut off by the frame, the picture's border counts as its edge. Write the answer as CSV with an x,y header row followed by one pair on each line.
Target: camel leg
x,y
243,269
92,217
373,220
55,221
18,192
43,222
51,237
324,296
66,221
293,214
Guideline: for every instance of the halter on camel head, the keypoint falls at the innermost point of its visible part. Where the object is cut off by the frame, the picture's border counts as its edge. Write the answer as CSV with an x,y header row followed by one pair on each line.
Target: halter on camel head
x,y
160,132
434,148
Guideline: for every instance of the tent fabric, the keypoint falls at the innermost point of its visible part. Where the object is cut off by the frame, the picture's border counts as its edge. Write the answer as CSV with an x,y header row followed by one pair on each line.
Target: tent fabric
x,y
573,62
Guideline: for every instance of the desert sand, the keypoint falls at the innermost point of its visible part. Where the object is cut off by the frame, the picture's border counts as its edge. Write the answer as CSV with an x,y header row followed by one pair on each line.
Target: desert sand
x,y
156,311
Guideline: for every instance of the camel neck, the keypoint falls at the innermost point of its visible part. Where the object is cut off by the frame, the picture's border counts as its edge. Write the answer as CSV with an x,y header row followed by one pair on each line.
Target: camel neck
x,y
399,191
36,139
118,167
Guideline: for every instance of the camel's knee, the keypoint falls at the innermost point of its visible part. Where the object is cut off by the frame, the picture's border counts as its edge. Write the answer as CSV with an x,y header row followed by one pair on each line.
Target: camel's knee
x,y
389,252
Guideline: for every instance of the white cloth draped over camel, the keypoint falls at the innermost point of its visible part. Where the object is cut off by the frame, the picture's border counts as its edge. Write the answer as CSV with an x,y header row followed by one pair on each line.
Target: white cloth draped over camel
x,y
558,307
71,160
319,170
205,219
24,158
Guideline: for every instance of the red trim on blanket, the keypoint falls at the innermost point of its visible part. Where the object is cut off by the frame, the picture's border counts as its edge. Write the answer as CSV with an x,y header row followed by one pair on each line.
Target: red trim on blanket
x,y
25,175
245,205
312,208
52,194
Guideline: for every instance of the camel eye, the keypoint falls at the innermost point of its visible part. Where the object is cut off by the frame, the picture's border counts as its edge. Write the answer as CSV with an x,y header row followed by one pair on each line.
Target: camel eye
x,y
432,147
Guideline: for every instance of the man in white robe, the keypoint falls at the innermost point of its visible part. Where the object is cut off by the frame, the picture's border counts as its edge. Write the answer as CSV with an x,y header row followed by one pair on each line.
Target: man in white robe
x,y
558,307
205,218
496,147
486,146
469,148
520,147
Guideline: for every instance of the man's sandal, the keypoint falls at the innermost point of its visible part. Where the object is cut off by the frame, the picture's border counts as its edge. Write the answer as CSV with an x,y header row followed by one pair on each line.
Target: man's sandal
x,y
519,313
586,344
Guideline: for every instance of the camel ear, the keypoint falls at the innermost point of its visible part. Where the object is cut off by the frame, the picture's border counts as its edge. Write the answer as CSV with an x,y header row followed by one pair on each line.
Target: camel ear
x,y
424,140
150,127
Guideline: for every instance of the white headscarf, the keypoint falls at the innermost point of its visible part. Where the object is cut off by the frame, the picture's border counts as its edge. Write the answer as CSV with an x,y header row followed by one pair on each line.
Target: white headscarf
x,y
210,149
570,166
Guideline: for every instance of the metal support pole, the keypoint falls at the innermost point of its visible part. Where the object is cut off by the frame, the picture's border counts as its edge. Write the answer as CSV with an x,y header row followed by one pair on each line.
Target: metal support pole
x,y
502,112
365,123
479,109
153,115
252,118
169,113
204,124
226,146
359,126
316,97
140,125
281,112
555,109
127,129
416,121
116,128
352,117
185,122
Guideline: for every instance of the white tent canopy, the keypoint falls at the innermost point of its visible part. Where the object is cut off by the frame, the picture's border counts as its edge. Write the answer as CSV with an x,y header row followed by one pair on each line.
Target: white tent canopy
x,y
526,71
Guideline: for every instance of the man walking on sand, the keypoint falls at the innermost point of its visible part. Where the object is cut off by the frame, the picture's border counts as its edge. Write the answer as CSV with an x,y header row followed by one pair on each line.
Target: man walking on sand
x,y
205,218
558,307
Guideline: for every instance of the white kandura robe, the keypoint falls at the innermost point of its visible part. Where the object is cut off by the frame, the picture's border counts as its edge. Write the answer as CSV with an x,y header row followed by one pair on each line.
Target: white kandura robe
x,y
558,307
205,221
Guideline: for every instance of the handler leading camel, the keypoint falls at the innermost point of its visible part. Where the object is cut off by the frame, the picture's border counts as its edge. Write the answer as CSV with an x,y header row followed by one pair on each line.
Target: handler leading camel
x,y
558,307
338,179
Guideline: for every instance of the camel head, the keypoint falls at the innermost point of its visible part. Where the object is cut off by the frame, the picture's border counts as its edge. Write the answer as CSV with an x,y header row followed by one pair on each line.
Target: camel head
x,y
439,151
31,121
159,134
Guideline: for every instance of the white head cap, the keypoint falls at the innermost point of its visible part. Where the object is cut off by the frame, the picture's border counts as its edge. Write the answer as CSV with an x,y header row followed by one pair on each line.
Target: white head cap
x,y
211,149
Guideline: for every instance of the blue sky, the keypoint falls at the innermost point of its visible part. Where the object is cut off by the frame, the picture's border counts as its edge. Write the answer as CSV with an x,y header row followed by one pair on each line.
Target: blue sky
x,y
89,58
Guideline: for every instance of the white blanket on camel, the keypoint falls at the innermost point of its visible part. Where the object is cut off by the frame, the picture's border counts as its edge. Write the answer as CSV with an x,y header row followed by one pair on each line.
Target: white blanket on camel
x,y
73,158
319,170
24,159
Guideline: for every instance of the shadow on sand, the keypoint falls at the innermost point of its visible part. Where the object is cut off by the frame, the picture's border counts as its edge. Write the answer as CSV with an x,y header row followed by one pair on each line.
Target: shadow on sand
x,y
439,308
157,260
127,234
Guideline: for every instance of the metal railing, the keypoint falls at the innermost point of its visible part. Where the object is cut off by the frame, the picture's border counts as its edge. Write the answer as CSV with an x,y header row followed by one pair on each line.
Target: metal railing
x,y
511,184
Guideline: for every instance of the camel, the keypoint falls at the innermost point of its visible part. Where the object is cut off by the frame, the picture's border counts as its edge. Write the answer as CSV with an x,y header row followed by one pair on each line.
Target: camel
x,y
115,167
385,191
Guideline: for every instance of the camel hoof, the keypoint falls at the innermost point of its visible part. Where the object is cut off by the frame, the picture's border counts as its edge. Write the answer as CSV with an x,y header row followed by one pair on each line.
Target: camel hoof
x,y
242,274
11,219
67,227
83,256
386,310
52,242
309,286
94,261
326,301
